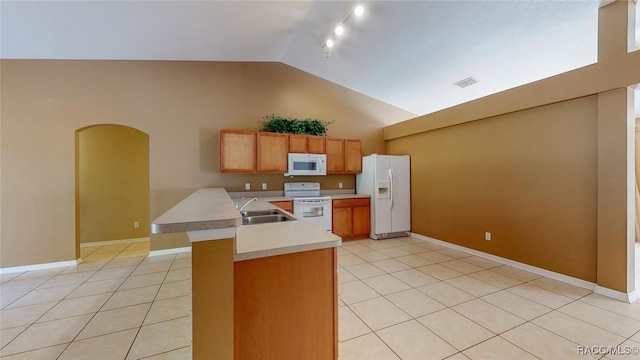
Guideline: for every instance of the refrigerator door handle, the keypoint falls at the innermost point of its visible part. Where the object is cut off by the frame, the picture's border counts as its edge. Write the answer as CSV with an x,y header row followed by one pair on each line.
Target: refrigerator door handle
x,y
391,190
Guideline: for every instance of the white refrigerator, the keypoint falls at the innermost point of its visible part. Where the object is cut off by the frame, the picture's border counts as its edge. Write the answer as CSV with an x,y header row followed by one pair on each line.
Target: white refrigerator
x,y
386,178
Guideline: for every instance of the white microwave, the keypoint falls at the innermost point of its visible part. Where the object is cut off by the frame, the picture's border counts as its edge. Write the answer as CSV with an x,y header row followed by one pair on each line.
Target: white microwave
x,y
307,164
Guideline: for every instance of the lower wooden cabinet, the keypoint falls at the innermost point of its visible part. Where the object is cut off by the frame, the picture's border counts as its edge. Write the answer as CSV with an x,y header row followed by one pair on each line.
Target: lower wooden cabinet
x,y
351,218
286,205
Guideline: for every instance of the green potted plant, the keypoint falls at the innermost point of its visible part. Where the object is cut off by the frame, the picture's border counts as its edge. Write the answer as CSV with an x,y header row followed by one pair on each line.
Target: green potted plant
x,y
308,126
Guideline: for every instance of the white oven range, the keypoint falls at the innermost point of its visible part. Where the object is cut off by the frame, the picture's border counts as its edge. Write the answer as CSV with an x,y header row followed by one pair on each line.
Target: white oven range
x,y
308,204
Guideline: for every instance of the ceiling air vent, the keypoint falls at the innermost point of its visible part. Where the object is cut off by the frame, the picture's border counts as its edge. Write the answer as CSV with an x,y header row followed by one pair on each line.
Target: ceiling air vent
x,y
466,82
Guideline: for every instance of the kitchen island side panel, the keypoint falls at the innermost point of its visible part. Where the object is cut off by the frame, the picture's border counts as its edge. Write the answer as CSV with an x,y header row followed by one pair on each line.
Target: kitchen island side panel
x,y
286,307
212,279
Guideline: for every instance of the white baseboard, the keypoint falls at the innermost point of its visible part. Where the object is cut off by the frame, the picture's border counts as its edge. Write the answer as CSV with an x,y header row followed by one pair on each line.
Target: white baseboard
x,y
536,270
45,266
170,251
618,295
113,242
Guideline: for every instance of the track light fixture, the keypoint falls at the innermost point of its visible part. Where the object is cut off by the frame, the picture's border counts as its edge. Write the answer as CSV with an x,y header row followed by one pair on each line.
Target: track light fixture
x,y
339,30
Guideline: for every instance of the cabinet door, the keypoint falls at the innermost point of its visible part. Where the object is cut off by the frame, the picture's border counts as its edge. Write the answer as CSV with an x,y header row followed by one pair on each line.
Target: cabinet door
x,y
352,156
361,216
237,151
272,149
284,205
315,144
341,221
297,143
335,155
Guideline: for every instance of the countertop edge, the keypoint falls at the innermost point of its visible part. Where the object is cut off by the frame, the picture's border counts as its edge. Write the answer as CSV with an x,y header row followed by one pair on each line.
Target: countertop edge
x,y
212,234
204,209
286,250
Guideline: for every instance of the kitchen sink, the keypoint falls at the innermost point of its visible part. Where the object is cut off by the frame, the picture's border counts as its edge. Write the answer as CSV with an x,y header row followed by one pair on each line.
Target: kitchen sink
x,y
246,213
265,219
264,216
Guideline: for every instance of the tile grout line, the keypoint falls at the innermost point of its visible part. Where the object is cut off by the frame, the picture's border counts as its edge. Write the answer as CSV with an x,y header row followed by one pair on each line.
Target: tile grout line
x,y
57,303
95,313
475,297
148,310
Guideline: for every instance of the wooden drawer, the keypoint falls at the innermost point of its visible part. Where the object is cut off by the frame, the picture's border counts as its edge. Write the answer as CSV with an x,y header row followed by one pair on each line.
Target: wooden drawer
x,y
338,203
286,205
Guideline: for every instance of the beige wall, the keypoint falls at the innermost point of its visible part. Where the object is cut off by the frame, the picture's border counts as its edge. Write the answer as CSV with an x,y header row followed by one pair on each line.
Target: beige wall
x,y
180,105
113,183
528,177
545,167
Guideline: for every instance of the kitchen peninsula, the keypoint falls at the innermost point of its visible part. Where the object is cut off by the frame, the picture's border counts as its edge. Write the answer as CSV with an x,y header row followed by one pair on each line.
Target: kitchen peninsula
x,y
259,291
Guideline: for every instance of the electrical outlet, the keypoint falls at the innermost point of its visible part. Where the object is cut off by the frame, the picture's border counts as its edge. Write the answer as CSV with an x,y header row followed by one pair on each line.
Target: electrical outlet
x,y
247,186
264,186
487,236
339,185
136,224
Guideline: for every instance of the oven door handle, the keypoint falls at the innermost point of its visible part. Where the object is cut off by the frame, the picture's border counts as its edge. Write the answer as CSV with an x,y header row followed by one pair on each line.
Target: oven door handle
x,y
312,202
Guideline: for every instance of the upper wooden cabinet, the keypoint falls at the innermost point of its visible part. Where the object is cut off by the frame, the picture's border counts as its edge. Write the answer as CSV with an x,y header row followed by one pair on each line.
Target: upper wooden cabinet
x,y
297,144
316,144
244,151
335,155
237,151
272,150
352,156
306,144
344,156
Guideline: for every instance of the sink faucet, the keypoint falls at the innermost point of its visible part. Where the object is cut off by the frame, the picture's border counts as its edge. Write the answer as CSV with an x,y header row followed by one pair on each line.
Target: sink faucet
x,y
245,204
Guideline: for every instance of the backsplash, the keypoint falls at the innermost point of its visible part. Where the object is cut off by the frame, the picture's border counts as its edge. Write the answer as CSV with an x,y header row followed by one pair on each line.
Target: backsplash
x,y
275,182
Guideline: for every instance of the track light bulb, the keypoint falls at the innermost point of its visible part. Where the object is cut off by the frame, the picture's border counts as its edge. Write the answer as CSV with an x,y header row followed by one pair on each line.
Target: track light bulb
x,y
329,43
359,10
339,30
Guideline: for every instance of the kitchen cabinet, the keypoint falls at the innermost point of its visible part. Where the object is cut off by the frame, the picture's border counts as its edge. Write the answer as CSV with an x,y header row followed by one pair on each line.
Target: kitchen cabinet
x,y
272,150
344,156
306,144
352,156
286,307
335,155
316,144
237,151
351,218
297,144
286,205
243,151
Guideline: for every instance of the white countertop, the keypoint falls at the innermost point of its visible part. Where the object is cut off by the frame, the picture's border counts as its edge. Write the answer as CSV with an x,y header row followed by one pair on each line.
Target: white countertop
x,y
210,211
256,241
205,209
286,198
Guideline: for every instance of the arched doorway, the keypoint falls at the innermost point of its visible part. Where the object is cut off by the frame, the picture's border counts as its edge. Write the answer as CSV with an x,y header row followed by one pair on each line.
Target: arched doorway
x,y
112,184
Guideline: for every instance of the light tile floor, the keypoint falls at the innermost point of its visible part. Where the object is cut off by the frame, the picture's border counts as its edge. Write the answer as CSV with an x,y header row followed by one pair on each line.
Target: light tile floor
x,y
399,299
410,299
117,304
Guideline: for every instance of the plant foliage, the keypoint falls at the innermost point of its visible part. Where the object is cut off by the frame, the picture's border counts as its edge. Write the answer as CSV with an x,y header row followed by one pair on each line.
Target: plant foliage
x,y
279,124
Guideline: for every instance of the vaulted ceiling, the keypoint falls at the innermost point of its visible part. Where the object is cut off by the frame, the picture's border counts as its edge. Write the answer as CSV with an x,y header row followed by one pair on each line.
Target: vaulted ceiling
x,y
406,53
